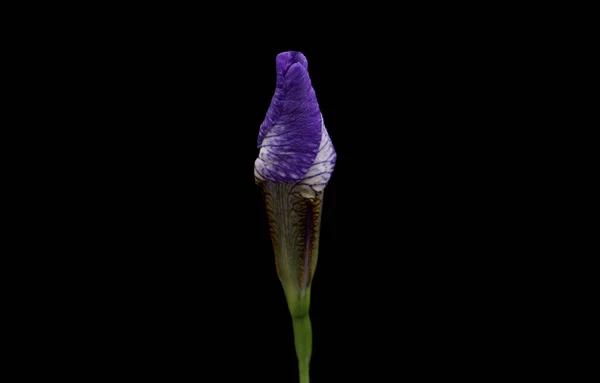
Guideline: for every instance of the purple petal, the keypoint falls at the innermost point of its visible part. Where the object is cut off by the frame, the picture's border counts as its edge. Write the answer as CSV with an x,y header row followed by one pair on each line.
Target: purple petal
x,y
290,135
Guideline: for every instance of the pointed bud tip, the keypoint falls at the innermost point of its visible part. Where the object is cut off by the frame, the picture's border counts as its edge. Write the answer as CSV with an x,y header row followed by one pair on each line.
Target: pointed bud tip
x,y
285,60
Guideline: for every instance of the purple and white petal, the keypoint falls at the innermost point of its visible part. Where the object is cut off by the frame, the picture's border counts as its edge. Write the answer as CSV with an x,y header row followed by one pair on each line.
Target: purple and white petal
x,y
293,141
317,177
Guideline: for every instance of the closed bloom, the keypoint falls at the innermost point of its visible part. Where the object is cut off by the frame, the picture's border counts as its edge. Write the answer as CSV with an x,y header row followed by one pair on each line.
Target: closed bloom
x,y
294,164
295,147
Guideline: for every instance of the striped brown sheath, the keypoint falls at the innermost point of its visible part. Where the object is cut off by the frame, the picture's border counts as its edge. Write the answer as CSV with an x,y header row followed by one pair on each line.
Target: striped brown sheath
x,y
294,223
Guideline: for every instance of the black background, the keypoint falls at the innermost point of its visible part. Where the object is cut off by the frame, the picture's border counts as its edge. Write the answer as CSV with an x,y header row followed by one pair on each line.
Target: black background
x,y
168,265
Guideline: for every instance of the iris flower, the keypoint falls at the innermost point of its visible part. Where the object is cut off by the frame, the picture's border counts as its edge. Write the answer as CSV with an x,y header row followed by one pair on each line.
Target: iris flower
x,y
294,164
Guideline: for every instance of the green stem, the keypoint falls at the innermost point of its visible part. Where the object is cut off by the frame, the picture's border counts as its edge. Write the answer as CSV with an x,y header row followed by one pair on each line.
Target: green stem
x,y
303,341
299,303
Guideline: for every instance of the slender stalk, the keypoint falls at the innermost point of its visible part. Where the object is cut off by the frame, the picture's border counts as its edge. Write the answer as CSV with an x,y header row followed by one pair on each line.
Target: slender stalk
x,y
303,341
299,305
